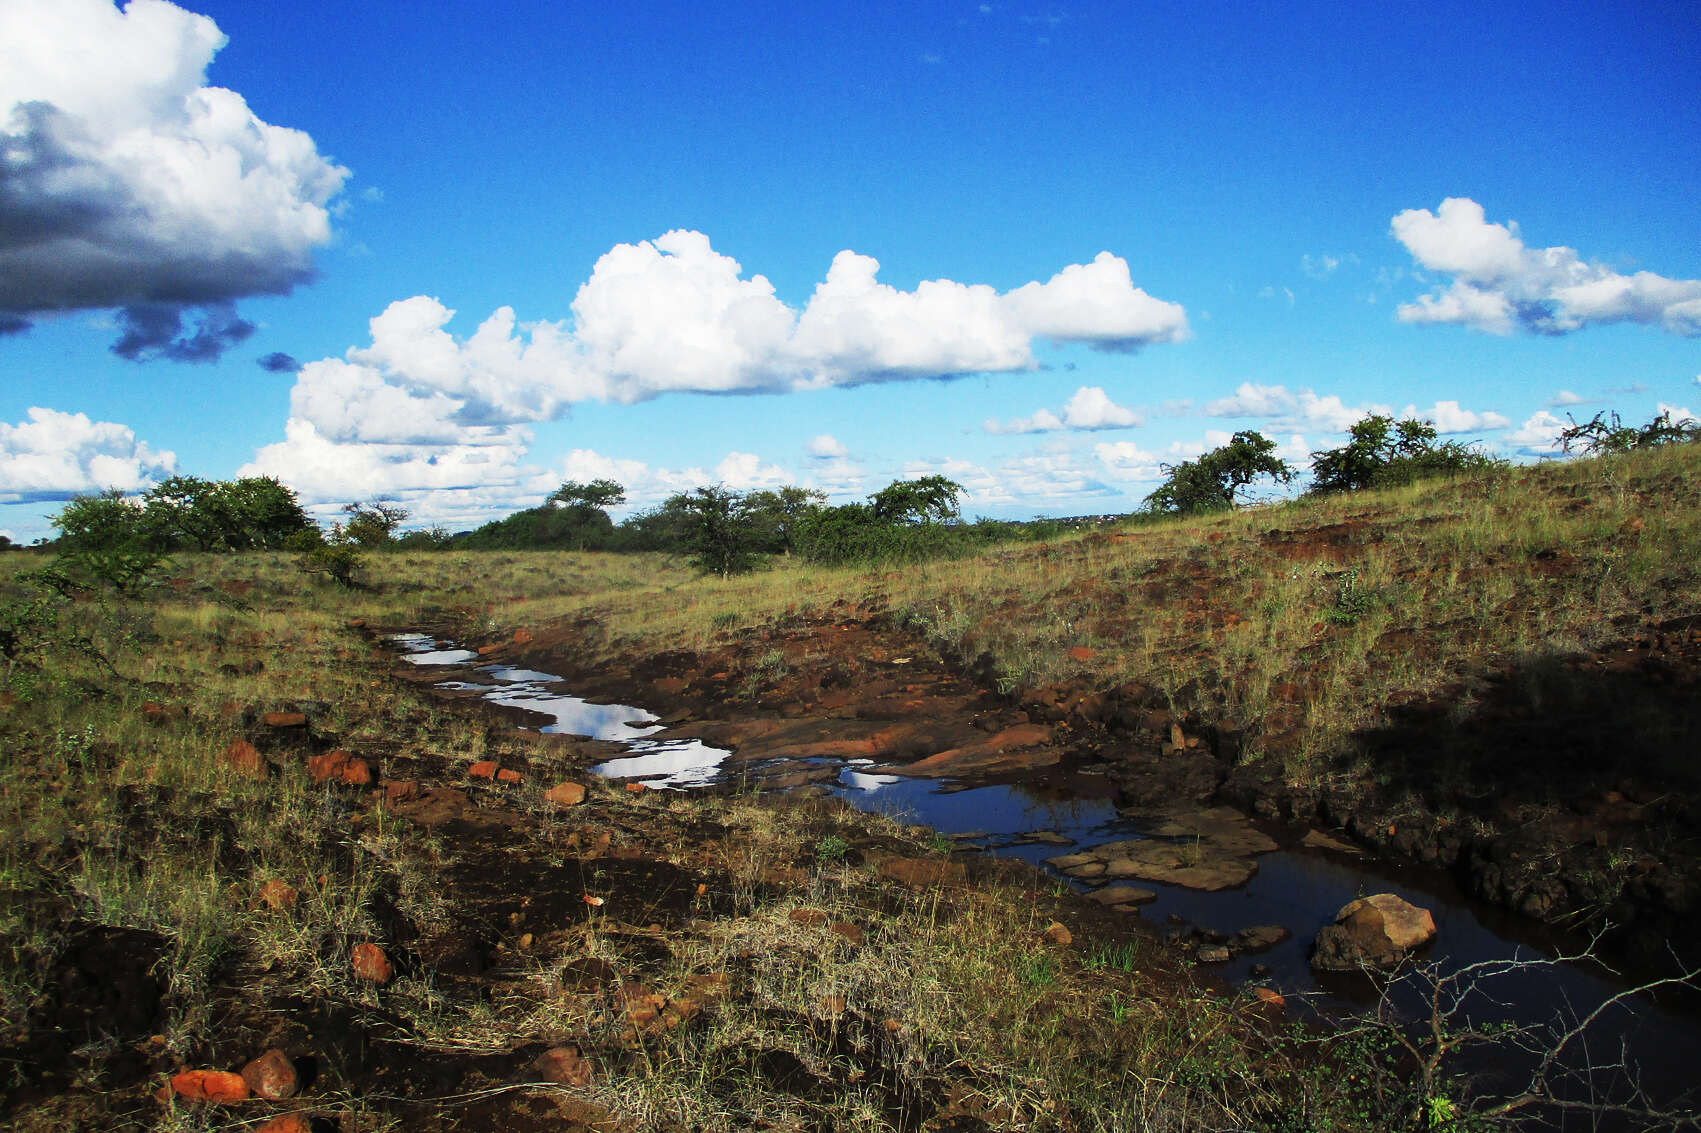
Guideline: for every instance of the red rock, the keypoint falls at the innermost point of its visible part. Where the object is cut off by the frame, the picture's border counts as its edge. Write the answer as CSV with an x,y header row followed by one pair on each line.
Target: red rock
x,y
808,918
848,931
271,1076
1082,653
565,1066
565,795
1270,996
636,788
284,719
521,637
287,1123
243,758
328,765
509,775
486,650
370,964
356,773
1058,933
220,1087
483,769
277,894
399,791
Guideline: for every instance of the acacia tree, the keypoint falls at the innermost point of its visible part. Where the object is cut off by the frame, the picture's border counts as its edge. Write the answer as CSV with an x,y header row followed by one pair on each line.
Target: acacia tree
x,y
373,525
718,530
1214,480
1606,433
931,499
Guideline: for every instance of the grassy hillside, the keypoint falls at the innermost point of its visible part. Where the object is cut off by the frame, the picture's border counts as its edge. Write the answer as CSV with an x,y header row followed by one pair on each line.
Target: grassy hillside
x,y
1310,641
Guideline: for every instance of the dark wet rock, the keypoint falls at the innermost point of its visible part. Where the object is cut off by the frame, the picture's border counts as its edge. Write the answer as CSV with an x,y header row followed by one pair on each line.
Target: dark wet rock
x,y
1317,840
1372,932
1260,937
1213,954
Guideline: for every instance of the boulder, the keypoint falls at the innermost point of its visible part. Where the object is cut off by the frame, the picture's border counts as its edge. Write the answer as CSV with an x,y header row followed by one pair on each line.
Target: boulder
x,y
284,719
565,1066
271,1076
565,795
1260,937
220,1087
1372,932
483,769
369,963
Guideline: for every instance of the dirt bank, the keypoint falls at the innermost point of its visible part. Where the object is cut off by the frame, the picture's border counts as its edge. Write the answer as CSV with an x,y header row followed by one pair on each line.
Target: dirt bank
x,y
1567,793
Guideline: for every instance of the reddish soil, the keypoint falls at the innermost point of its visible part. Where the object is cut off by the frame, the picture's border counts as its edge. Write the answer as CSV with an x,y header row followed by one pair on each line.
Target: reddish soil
x,y
1570,791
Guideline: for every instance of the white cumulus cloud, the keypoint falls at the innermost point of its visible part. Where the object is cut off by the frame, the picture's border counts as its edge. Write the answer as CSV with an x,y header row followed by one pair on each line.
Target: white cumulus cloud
x,y
1448,417
127,182
1538,435
1500,285
1291,411
1090,409
673,314
54,456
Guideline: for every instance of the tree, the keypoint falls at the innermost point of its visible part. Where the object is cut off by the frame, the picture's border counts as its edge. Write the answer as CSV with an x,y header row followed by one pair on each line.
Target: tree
x,y
373,525
104,521
720,535
931,499
1606,434
1214,480
598,494
1383,452
776,515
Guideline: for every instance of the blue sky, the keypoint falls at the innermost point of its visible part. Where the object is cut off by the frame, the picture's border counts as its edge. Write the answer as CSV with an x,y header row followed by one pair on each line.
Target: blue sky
x,y
1230,218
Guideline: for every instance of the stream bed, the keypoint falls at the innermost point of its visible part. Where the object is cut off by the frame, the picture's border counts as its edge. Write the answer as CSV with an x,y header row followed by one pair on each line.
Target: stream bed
x,y
1298,888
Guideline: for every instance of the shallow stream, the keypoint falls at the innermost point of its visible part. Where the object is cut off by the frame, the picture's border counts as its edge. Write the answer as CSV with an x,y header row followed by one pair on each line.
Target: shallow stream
x,y
1300,889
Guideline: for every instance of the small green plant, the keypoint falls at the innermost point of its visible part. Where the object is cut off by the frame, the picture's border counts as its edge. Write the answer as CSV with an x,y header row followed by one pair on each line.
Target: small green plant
x,y
1352,601
1039,970
726,619
830,849
1119,957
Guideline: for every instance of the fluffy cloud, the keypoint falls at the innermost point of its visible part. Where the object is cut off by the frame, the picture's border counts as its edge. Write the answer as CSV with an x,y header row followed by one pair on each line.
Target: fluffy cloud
x,y
1499,285
1088,410
324,470
1125,460
675,315
1537,436
1565,397
1290,411
1449,418
127,182
827,447
54,456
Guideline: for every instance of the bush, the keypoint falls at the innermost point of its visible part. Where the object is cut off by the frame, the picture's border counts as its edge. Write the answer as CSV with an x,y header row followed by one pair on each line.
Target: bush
x,y
1384,453
341,562
1606,433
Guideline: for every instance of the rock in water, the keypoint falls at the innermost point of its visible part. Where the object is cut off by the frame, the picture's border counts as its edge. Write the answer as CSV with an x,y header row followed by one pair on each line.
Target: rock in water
x,y
1372,932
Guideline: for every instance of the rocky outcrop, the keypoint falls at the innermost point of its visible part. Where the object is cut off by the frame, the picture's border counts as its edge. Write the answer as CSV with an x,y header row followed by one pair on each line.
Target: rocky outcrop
x,y
1372,932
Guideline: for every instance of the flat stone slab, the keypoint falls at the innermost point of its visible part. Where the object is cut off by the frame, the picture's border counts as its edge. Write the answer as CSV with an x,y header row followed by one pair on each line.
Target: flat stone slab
x,y
1122,895
1209,849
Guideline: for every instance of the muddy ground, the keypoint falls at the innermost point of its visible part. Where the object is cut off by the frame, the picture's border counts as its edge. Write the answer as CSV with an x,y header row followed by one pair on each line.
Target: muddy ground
x,y
1570,793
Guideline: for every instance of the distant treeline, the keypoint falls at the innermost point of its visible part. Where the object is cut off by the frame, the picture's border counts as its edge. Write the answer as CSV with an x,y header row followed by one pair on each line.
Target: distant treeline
x,y
725,531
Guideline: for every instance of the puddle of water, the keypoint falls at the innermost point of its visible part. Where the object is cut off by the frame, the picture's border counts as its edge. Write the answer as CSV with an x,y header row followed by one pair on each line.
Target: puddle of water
x,y
674,764
1300,890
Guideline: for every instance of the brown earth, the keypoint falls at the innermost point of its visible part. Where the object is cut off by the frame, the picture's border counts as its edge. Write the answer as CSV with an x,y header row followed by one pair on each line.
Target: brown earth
x,y
1568,791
